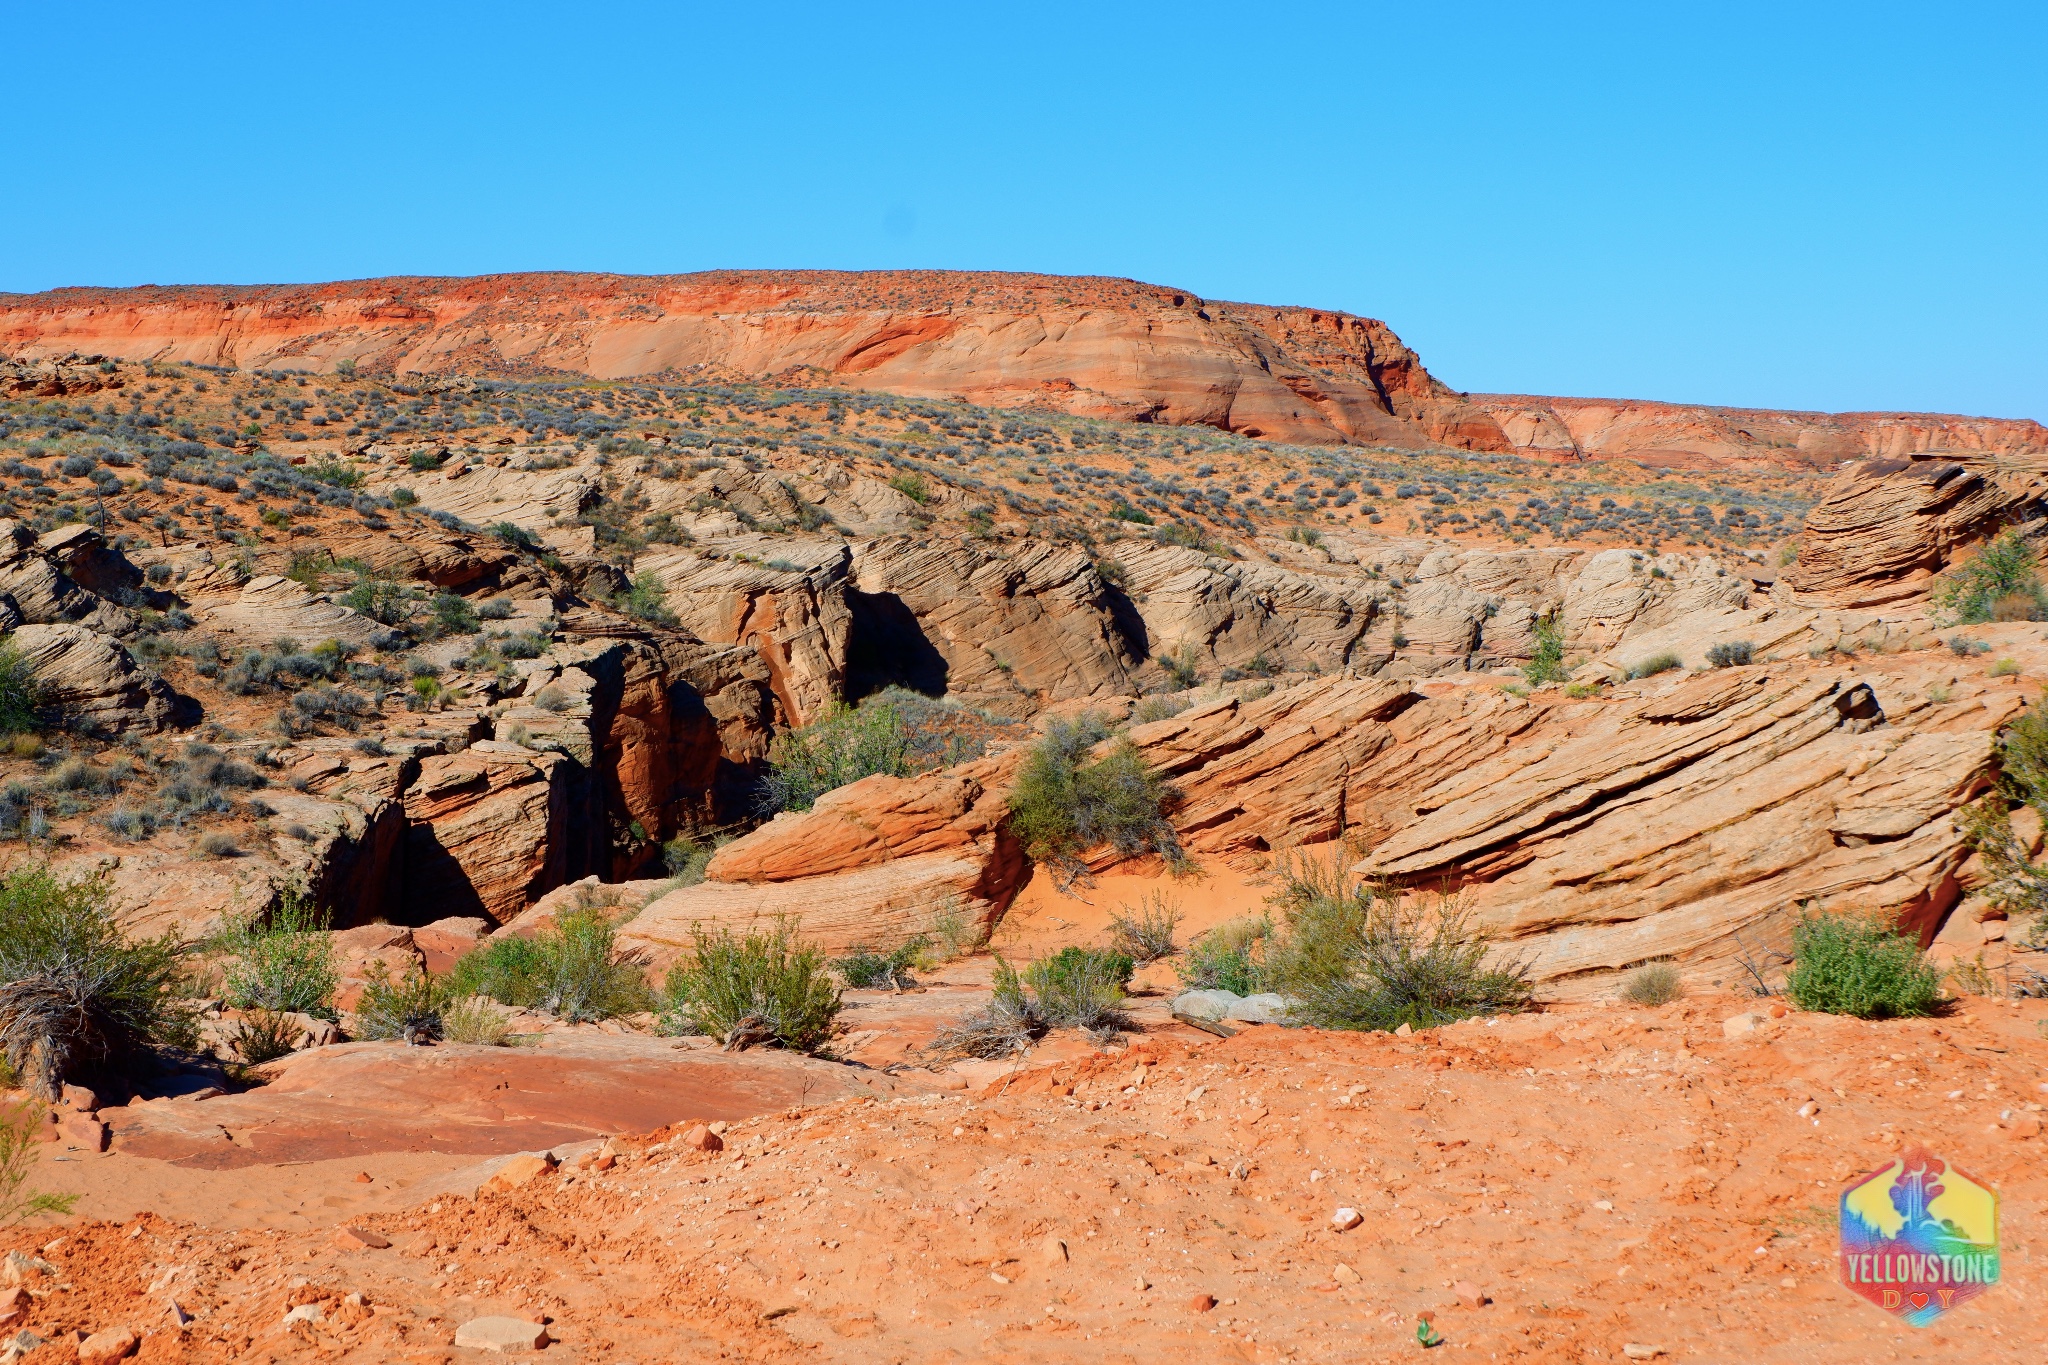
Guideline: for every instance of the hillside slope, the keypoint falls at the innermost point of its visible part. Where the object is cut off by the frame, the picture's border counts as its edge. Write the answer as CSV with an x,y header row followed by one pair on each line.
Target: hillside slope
x,y
1087,346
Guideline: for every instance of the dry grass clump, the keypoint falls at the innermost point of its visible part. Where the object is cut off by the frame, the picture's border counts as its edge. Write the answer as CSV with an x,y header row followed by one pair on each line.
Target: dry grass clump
x,y
1653,984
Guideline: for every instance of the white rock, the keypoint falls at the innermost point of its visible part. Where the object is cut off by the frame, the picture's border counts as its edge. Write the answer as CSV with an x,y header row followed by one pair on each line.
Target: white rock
x,y
504,1335
1346,1219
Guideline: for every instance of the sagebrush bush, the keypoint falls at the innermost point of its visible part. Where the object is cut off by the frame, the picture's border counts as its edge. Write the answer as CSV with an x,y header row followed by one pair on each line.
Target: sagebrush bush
x,y
1358,956
757,987
1546,662
1145,933
263,1036
686,858
1655,664
1008,1025
1653,984
842,746
406,1008
473,1019
1081,988
1730,654
571,969
863,968
76,995
283,961
2002,583
22,697
1861,966
1062,806
1230,957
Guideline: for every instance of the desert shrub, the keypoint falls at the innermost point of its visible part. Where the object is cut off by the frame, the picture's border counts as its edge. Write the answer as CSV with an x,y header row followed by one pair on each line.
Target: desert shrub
x,y
957,932
1154,708
1180,666
571,969
454,616
2001,583
1145,934
380,599
19,1125
406,1008
1230,957
218,845
647,598
864,969
1655,664
912,486
755,987
264,1036
473,1019
1655,983
1730,654
1062,806
1009,1024
686,858
1546,662
283,961
75,994
1861,966
2004,668
842,746
1357,956
21,695
1081,988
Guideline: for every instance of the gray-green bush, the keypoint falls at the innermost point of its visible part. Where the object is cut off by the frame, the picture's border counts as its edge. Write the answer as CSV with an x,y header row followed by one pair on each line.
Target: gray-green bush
x,y
283,961
1230,957
756,987
1063,805
571,969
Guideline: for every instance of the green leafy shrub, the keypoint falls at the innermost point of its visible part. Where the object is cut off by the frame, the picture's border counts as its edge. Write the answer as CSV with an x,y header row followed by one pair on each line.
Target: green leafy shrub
x,y
475,1020
1546,662
1180,666
1730,654
22,697
686,858
958,933
842,746
454,616
1861,966
1653,984
2001,584
1154,708
75,994
755,987
19,1130
1655,664
1062,806
571,969
1146,933
1081,988
407,1008
2004,668
1230,957
912,486
647,598
283,961
1356,956
865,969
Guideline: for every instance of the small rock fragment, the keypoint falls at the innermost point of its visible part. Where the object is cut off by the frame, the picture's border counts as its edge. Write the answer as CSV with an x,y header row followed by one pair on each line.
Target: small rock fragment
x,y
1636,1351
1346,1219
305,1312
1469,1294
702,1139
80,1098
518,1171
1403,1031
1201,1303
1052,1251
1738,1025
1141,1284
1344,1274
360,1239
502,1334
179,1317
103,1348
362,1177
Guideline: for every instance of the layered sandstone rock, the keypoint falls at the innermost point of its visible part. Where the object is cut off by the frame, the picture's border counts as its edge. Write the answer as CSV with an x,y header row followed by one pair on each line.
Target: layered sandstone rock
x,y
485,832
93,682
43,593
1888,526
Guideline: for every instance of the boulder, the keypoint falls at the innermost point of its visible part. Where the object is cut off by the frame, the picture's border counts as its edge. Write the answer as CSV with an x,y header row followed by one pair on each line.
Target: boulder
x,y
43,593
93,681
485,832
270,607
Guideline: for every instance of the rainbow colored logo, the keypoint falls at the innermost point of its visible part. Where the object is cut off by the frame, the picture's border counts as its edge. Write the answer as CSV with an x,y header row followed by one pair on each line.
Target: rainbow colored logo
x,y
1919,1237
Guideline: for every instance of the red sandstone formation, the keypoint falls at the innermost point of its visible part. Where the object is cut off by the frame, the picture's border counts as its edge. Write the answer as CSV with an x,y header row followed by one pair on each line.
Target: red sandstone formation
x,y
1083,345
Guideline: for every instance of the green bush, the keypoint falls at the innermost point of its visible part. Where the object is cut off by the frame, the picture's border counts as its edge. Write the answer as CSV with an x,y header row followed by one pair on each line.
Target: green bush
x,y
1546,663
75,994
842,746
912,486
571,969
1861,966
1655,664
263,1036
473,1019
647,599
863,968
754,987
2002,583
1230,957
1356,956
408,1008
283,961
1080,988
19,1127
22,697
1062,806
1656,983
686,858
454,616
1146,935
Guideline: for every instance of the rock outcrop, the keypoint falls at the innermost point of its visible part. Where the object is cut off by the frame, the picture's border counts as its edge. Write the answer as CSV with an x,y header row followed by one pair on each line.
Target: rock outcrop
x,y
1084,345
486,832
33,577
1887,526
93,683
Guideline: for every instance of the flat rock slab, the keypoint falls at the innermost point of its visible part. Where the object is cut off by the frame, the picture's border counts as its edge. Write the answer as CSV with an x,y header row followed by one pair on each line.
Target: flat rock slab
x,y
357,1099
508,1335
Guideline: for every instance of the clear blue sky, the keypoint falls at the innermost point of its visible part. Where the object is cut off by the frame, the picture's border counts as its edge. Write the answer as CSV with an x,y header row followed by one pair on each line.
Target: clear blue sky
x,y
1785,204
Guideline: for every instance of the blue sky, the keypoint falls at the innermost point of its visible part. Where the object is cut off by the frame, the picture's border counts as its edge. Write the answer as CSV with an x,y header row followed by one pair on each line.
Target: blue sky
x,y
1787,205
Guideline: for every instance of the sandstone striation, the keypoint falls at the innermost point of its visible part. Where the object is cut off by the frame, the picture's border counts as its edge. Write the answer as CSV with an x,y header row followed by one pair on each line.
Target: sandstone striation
x,y
94,683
